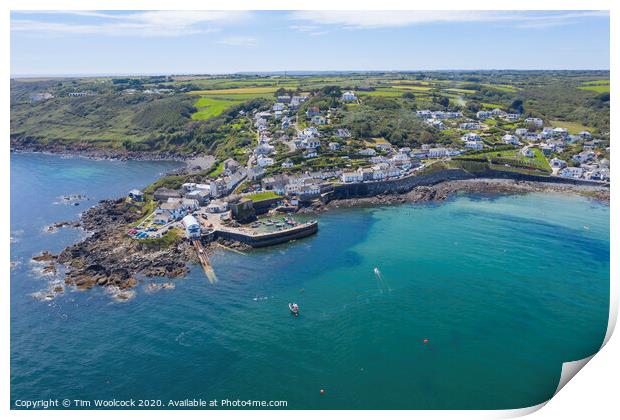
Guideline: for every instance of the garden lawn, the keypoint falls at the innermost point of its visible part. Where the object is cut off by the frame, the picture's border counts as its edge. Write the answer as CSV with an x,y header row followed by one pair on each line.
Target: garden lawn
x,y
265,195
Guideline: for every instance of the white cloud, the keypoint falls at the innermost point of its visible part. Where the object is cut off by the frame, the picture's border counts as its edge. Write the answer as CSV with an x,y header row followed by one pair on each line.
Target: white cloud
x,y
313,30
238,41
146,23
382,19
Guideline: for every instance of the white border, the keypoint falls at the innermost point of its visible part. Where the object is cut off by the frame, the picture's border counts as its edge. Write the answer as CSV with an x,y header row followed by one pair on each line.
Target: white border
x,y
597,384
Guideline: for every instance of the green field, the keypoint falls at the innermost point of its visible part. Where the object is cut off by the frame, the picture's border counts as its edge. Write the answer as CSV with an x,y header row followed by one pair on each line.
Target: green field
x,y
387,92
597,86
210,107
194,113
514,157
501,88
597,89
490,106
572,127
415,88
236,91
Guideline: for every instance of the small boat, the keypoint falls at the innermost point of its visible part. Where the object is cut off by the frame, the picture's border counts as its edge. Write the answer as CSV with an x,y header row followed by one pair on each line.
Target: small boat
x,y
294,308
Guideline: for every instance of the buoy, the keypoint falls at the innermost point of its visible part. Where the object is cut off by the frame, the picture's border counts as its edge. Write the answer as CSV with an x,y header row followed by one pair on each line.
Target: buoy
x,y
426,341
322,391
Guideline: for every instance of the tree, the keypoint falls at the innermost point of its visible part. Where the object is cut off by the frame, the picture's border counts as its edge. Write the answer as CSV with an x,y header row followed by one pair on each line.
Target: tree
x,y
409,95
517,106
333,91
474,106
443,101
280,92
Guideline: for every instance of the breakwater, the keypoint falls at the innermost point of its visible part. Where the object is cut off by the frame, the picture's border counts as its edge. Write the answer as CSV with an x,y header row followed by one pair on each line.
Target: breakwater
x,y
266,239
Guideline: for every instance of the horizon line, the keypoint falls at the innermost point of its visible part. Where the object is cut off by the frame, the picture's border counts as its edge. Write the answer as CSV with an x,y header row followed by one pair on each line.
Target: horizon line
x,y
282,72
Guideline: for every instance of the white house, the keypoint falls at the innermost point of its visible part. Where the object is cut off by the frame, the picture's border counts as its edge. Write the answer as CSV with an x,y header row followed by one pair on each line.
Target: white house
x,y
471,137
310,153
264,149
352,177
348,96
217,206
510,139
307,189
399,158
474,145
287,164
469,126
483,115
309,132
343,133
368,152
318,119
438,124
192,227
311,143
437,152
598,175
528,152
385,147
571,172
560,131
334,146
584,157
537,122
263,161
557,163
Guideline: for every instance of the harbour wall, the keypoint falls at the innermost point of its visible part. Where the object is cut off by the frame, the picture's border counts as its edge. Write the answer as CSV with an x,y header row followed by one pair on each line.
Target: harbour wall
x,y
407,183
268,239
263,206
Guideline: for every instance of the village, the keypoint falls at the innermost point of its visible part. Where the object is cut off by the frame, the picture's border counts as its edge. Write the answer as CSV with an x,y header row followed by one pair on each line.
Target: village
x,y
260,196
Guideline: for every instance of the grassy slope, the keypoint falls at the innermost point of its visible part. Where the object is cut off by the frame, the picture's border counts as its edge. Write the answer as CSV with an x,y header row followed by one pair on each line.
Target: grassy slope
x,y
107,120
191,123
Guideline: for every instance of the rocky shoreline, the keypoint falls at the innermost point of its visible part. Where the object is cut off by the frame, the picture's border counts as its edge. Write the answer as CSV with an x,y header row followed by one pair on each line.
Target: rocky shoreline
x,y
85,150
107,257
444,190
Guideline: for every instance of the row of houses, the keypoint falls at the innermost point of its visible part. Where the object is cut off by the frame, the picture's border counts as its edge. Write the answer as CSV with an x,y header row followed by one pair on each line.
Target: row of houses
x,y
509,116
438,115
305,186
264,148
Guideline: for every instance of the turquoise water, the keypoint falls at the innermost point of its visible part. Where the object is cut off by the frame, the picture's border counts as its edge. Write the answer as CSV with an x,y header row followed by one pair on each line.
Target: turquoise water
x,y
504,289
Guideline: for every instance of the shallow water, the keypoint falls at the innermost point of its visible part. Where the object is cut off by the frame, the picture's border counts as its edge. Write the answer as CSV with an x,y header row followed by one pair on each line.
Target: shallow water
x,y
504,289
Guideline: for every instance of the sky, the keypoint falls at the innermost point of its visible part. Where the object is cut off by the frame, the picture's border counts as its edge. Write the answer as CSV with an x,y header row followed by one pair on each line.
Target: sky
x,y
215,42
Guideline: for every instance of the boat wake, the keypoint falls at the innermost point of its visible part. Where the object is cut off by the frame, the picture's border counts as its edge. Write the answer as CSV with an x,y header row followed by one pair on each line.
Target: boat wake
x,y
384,286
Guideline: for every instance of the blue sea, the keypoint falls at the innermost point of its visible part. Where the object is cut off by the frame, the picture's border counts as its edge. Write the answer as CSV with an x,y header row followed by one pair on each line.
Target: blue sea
x,y
472,303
